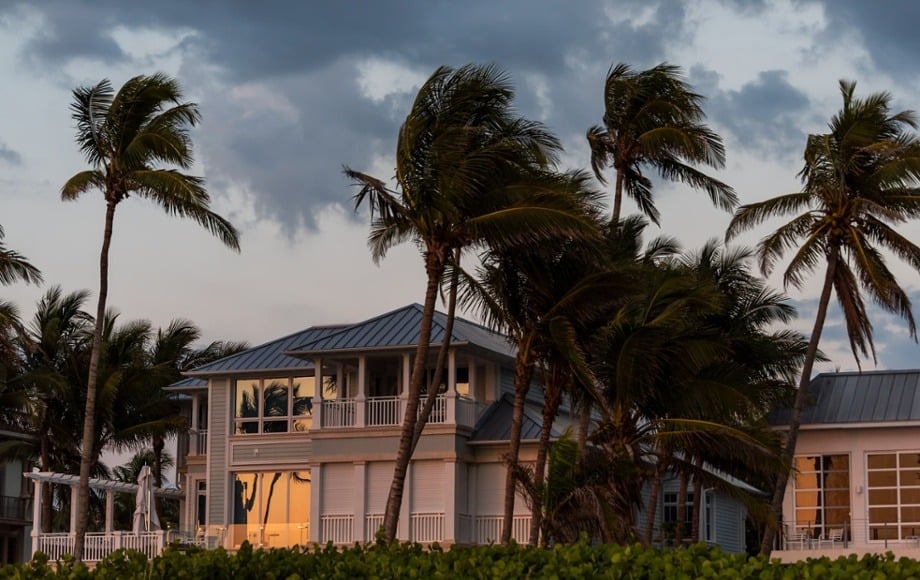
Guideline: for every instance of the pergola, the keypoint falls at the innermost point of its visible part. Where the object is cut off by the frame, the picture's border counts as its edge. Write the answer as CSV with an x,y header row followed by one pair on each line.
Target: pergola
x,y
97,544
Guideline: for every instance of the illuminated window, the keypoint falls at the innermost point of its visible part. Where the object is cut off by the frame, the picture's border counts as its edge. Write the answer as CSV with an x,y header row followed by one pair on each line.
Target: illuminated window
x,y
273,405
893,495
271,509
822,492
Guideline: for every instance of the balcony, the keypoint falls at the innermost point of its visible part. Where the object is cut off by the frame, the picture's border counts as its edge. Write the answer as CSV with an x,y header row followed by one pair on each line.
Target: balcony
x,y
389,412
814,540
16,509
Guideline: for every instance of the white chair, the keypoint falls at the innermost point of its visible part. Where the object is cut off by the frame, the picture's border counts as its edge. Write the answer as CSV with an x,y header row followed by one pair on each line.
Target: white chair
x,y
798,539
832,538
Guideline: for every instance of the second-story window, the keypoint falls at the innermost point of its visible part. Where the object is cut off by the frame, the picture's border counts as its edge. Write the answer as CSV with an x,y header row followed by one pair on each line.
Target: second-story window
x,y
277,405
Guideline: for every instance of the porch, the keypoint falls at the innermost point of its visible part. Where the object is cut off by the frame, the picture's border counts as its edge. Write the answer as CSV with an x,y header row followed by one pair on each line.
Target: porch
x,y
426,528
808,540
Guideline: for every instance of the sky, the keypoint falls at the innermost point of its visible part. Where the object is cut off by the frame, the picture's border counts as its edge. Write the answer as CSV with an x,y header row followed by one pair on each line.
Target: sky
x,y
290,92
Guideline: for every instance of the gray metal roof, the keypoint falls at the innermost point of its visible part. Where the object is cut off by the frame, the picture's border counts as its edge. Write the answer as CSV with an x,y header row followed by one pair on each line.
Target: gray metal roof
x,y
860,397
189,383
267,357
400,328
495,425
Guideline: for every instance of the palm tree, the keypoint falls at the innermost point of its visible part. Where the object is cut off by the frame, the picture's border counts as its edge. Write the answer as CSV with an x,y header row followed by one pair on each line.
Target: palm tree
x,y
13,266
129,138
654,118
859,181
468,171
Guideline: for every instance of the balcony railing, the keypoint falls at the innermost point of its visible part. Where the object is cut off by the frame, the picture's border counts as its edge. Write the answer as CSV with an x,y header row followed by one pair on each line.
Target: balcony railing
x,y
99,544
389,412
15,508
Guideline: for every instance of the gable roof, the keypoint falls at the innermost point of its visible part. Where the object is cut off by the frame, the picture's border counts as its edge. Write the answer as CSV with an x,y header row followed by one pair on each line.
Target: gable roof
x,y
400,329
266,357
860,397
495,424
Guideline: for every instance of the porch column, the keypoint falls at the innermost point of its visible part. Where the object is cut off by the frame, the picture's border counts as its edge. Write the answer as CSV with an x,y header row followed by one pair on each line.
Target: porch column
x,y
471,378
36,512
404,384
450,501
193,430
316,490
360,500
317,411
109,511
451,394
74,493
362,390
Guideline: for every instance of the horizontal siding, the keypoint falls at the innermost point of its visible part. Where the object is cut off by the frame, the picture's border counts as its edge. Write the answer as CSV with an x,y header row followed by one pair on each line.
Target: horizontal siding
x,y
729,523
428,486
338,489
218,422
268,452
379,478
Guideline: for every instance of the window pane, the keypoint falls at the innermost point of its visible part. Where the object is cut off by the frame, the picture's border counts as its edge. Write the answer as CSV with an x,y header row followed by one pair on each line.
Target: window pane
x,y
909,531
836,462
463,381
276,398
883,497
880,515
273,509
882,461
883,478
806,481
303,389
275,426
883,533
809,463
247,399
909,460
910,477
910,513
910,495
247,427
245,515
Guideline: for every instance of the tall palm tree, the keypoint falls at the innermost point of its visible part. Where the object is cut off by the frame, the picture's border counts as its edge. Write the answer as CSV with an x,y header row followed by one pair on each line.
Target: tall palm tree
x,y
468,171
13,266
130,139
654,118
859,181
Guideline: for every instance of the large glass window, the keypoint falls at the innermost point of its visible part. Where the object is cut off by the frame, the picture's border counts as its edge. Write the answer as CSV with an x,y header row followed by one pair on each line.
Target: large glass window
x,y
822,492
670,512
894,495
271,509
273,405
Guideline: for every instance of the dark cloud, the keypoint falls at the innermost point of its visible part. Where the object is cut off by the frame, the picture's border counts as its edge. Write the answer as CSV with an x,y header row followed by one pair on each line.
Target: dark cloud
x,y
888,29
9,155
306,54
768,115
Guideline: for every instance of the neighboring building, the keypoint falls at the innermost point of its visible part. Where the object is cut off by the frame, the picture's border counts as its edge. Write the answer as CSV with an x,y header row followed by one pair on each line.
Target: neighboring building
x,y
857,479
15,507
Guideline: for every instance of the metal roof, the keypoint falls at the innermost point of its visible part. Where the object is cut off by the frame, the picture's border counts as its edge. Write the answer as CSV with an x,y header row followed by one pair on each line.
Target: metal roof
x,y
400,328
495,425
189,383
860,397
266,357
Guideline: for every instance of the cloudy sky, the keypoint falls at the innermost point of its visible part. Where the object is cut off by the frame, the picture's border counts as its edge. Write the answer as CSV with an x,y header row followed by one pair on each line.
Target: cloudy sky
x,y
291,91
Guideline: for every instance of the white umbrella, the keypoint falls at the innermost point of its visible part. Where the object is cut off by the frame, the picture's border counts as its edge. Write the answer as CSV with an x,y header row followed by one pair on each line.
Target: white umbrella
x,y
145,511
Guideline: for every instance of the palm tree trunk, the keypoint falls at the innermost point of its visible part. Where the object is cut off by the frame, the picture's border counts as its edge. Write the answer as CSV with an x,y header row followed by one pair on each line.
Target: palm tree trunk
x,y
551,401
584,425
697,500
617,198
89,416
434,267
652,506
523,373
801,397
681,509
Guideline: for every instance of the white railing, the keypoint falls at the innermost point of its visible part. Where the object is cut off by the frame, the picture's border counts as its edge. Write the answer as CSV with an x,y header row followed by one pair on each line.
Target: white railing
x,y
426,528
372,524
438,414
489,529
338,529
339,413
384,411
201,447
98,545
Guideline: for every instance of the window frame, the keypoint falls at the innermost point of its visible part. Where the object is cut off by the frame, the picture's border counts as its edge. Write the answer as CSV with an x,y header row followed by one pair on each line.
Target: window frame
x,y
900,525
293,423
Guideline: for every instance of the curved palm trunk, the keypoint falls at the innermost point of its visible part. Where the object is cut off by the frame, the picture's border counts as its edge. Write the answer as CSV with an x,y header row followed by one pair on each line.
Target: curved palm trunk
x,y
434,266
779,490
681,509
652,506
584,426
697,501
551,401
89,416
523,373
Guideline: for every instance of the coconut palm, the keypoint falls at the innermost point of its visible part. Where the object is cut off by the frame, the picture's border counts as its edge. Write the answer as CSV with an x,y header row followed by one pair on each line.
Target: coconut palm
x,y
13,266
859,181
654,118
468,171
131,139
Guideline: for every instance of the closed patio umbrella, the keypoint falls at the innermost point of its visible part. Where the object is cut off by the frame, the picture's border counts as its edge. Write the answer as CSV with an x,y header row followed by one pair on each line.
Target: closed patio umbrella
x,y
145,512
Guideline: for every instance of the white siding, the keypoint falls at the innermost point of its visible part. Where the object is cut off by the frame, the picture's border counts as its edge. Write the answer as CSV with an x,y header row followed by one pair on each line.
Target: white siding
x,y
379,478
487,496
428,487
218,424
729,522
338,488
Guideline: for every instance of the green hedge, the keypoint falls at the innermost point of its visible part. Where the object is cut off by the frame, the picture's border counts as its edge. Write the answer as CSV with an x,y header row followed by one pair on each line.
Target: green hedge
x,y
411,561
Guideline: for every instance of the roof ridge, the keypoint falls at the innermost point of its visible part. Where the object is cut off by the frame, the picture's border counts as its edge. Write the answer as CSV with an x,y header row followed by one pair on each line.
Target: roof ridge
x,y
348,327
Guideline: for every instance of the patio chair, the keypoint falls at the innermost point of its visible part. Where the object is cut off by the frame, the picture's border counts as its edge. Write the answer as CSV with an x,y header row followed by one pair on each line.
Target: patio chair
x,y
797,539
832,538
